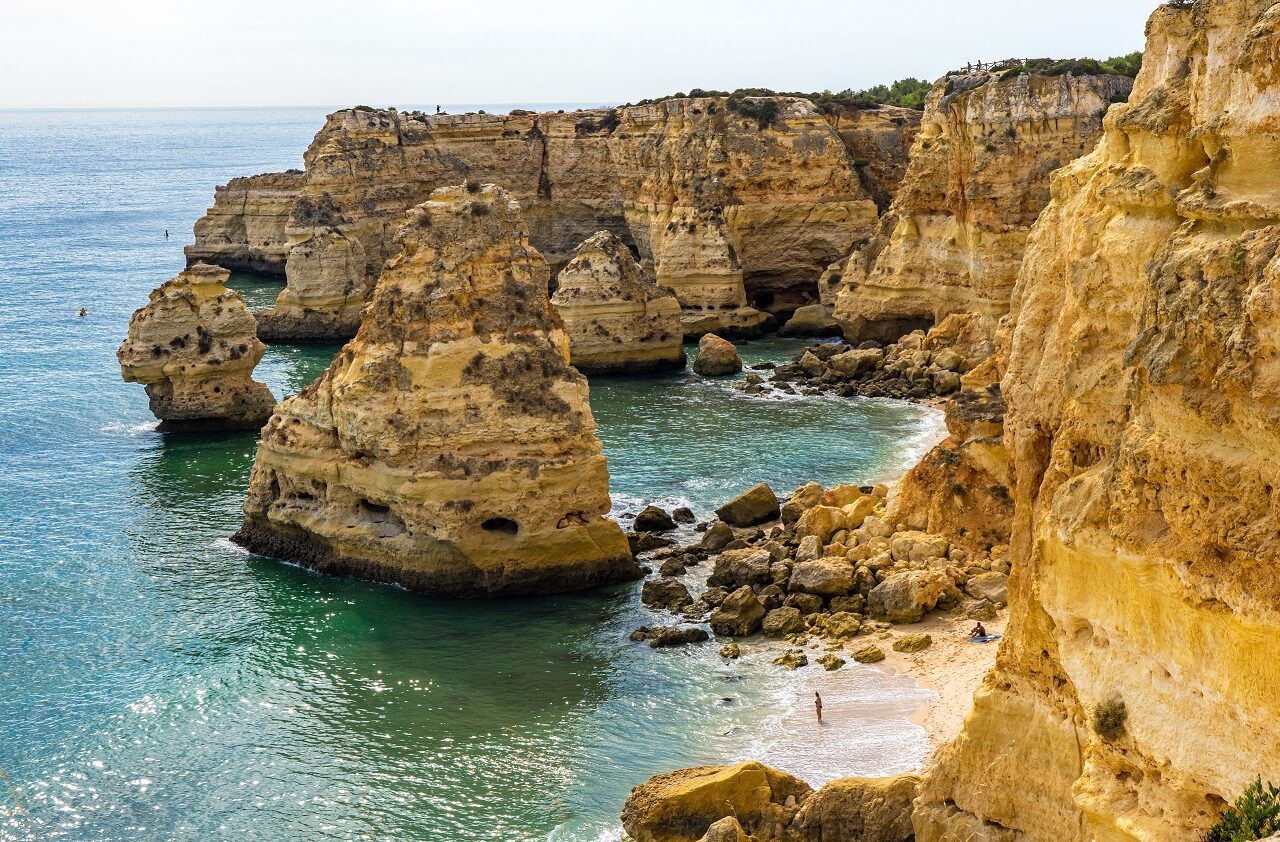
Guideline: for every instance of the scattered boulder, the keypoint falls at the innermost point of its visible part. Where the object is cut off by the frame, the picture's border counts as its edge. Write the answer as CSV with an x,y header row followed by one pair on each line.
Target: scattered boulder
x,y
807,603
714,596
716,357
661,636
993,587
868,809
821,522
916,642
739,615
643,542
868,654
831,662
726,830
673,566
917,546
757,504
781,622
735,568
811,320
906,596
682,514
681,806
842,624
653,519
805,497
792,659
716,538
981,610
665,593
809,548
731,650
830,576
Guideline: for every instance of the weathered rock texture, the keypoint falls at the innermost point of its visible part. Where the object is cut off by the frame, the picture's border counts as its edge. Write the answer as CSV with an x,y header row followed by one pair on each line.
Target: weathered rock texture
x,y
718,207
194,347
619,320
245,228
449,447
978,176
1143,423
879,141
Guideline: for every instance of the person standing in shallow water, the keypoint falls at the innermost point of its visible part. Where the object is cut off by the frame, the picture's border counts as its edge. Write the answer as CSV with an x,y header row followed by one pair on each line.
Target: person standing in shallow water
x,y
817,705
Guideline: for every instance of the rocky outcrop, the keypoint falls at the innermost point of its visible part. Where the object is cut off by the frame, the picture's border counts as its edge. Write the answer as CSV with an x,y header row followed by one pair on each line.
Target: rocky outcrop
x,y
716,357
727,212
1133,694
619,320
326,289
245,228
449,447
194,347
879,141
978,176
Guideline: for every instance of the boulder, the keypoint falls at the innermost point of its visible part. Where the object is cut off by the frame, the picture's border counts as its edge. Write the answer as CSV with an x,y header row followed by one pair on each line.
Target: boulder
x,y
916,642
726,830
868,654
739,615
792,659
716,357
852,364
664,636
731,650
781,622
811,320
757,504
829,576
681,806
981,610
842,624
644,542
714,596
716,538
821,522
867,809
807,603
673,566
665,593
682,514
993,587
653,519
917,546
905,597
735,568
805,497
830,662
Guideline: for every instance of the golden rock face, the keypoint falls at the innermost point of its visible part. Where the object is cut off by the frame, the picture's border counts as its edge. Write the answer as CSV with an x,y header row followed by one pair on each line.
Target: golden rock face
x,y
724,211
978,176
194,347
1143,415
449,447
618,319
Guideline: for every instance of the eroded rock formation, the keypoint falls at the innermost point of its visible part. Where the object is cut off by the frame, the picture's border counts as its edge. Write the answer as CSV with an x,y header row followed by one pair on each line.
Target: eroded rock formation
x,y
449,447
728,213
1134,693
194,347
618,319
977,178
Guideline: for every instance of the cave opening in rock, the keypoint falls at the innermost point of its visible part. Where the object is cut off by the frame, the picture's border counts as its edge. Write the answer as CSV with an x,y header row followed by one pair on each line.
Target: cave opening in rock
x,y
501,525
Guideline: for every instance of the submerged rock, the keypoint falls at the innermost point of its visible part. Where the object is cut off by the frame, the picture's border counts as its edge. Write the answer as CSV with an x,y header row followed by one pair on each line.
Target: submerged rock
x,y
660,637
619,320
194,346
716,357
449,447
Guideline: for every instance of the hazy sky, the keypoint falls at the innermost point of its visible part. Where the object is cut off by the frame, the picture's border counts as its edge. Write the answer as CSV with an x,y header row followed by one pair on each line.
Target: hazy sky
x,y
74,53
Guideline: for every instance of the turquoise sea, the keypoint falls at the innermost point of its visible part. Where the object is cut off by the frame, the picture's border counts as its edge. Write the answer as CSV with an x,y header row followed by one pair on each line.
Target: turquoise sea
x,y
158,683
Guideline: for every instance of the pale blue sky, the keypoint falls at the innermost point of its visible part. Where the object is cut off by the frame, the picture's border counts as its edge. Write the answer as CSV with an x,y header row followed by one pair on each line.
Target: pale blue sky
x,y
74,53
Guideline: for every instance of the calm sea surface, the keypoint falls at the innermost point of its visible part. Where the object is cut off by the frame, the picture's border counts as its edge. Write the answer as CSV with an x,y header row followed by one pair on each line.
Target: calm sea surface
x,y
158,683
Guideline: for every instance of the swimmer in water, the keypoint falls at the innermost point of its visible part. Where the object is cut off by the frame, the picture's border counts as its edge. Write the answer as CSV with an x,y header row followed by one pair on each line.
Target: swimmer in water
x,y
83,312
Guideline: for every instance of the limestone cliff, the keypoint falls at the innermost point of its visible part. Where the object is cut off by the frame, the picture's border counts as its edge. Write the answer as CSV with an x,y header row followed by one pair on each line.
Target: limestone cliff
x,y
194,347
727,212
618,319
1135,692
879,141
978,176
449,447
245,228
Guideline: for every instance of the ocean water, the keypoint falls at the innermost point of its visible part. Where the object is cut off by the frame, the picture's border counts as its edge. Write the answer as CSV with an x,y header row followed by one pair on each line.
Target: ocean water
x,y
158,683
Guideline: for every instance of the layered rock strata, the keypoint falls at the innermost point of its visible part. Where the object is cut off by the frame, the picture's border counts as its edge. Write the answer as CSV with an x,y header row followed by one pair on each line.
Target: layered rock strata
x,y
245,228
735,216
194,346
1134,694
879,142
978,176
618,319
449,447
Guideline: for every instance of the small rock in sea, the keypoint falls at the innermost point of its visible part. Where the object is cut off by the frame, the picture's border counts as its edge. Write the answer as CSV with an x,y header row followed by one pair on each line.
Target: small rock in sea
x,y
643,542
756,505
791,659
676,636
665,593
765,366
868,654
716,357
682,514
831,662
653,519
716,537
673,566
730,650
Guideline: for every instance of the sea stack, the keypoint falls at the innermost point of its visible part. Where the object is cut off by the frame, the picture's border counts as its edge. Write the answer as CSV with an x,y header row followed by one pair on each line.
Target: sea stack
x,y
450,447
194,347
618,319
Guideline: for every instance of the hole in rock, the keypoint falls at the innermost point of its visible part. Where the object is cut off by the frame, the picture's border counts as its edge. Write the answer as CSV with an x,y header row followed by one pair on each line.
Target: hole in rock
x,y
503,525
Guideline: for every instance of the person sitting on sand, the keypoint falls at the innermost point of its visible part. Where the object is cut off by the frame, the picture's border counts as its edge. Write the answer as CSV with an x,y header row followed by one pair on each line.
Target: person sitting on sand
x,y
978,631
817,705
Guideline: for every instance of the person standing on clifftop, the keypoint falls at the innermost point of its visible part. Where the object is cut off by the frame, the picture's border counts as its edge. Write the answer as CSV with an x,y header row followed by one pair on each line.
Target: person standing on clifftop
x,y
817,705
